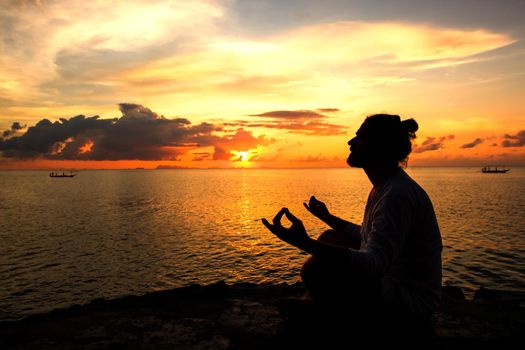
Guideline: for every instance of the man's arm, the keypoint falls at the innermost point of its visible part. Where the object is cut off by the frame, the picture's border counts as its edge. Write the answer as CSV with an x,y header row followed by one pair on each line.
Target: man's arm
x,y
319,209
336,223
386,239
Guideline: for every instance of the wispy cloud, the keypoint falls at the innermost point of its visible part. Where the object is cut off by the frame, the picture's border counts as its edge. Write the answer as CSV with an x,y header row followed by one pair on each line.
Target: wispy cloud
x,y
201,156
305,122
183,49
47,46
302,114
348,56
473,144
317,158
432,144
329,110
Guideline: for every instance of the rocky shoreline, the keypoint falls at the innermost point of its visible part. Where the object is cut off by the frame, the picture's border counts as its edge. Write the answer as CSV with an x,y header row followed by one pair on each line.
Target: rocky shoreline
x,y
244,316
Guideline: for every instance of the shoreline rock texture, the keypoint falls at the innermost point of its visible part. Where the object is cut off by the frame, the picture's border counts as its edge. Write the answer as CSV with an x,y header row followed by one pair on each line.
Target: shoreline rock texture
x,y
244,316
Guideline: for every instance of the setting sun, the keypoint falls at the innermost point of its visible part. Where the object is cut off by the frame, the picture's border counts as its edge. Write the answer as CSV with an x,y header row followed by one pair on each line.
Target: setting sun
x,y
244,156
240,156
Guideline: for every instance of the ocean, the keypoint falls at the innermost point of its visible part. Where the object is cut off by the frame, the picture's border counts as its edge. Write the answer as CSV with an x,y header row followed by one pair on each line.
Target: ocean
x,y
110,233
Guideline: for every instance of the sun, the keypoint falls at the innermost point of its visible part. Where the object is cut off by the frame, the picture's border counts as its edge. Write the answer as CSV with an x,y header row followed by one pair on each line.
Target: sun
x,y
241,156
244,156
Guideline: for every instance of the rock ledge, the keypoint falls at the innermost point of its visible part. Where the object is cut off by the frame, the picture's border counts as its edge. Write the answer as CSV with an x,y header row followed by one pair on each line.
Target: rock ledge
x,y
244,316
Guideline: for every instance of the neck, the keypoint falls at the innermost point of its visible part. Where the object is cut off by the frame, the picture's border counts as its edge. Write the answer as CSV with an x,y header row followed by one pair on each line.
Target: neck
x,y
379,173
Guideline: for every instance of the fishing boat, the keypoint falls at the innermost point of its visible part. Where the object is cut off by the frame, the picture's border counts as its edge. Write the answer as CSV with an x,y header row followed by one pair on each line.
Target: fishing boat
x,y
494,169
63,174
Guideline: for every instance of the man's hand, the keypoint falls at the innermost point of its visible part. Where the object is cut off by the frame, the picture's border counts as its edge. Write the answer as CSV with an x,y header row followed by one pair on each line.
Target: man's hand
x,y
295,235
317,208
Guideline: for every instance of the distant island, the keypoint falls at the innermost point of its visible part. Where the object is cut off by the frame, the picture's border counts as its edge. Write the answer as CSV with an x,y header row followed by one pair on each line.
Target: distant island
x,y
169,167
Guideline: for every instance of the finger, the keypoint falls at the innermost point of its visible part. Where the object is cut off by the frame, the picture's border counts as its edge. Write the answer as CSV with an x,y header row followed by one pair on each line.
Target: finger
x,y
267,224
307,207
292,217
277,218
314,202
272,229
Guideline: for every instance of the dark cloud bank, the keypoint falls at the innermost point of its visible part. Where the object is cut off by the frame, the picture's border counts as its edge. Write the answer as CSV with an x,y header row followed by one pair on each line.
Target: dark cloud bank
x,y
139,134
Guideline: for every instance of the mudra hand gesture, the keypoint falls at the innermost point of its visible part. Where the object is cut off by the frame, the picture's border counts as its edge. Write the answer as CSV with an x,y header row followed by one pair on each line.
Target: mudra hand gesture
x,y
295,235
317,208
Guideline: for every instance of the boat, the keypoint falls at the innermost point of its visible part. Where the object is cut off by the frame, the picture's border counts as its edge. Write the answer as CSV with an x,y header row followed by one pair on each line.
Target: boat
x,y
63,174
494,169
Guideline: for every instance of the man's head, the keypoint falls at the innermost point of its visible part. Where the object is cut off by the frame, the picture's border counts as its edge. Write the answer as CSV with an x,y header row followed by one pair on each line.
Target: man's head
x,y
382,139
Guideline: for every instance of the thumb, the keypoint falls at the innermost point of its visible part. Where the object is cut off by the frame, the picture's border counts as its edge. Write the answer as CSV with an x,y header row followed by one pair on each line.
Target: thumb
x,y
291,217
267,224
307,207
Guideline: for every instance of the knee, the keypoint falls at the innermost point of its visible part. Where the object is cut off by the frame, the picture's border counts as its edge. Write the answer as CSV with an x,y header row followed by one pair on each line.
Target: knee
x,y
327,236
338,238
310,270
315,271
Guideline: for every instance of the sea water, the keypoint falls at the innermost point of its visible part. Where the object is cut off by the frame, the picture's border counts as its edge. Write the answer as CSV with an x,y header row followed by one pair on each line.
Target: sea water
x,y
110,233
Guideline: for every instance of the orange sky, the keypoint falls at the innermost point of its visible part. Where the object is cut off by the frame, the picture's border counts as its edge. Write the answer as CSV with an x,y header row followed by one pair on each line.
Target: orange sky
x,y
256,84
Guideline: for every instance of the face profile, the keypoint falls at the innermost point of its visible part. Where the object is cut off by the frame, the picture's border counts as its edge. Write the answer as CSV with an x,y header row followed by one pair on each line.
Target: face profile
x,y
357,156
382,140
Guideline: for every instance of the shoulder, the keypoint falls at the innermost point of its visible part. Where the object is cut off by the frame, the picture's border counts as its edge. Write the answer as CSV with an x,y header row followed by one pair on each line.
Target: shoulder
x,y
402,188
399,184
402,182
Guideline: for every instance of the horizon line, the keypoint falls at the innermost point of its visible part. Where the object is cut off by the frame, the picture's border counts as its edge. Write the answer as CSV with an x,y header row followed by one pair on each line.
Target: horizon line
x,y
245,168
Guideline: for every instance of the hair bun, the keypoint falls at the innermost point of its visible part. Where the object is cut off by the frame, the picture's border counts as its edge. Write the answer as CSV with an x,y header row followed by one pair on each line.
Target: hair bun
x,y
409,125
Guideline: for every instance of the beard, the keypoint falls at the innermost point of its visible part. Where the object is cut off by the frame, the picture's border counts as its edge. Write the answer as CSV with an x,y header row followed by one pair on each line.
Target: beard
x,y
354,161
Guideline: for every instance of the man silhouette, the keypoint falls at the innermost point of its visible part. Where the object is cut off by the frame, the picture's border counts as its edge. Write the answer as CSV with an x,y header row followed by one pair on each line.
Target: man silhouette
x,y
392,262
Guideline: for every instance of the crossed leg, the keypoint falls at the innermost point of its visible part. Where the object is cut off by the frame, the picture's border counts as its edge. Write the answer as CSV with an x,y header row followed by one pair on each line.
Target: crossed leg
x,y
331,284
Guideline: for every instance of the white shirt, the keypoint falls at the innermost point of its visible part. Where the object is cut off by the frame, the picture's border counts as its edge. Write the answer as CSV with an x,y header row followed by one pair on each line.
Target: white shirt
x,y
401,244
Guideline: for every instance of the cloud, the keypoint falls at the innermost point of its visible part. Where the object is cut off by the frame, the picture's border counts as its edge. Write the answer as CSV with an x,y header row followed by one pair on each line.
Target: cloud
x,y
378,43
473,143
318,159
16,126
305,122
200,156
329,110
183,49
137,112
517,140
241,141
301,114
432,144
310,158
109,39
139,134
443,159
